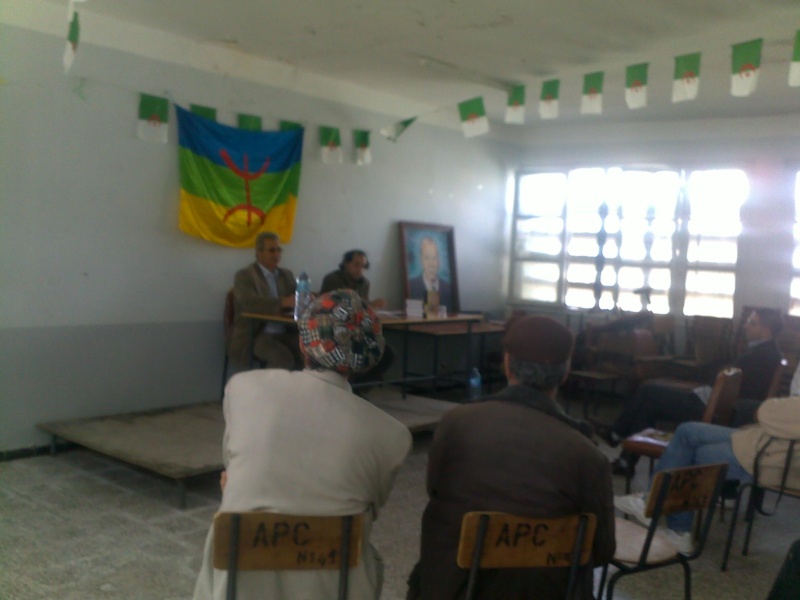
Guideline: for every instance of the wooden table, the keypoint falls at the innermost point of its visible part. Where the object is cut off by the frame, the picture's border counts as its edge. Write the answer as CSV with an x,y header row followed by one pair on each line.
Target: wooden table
x,y
465,323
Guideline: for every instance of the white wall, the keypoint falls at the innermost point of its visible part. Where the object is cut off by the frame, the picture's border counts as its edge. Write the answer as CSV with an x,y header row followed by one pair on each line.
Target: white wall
x,y
106,306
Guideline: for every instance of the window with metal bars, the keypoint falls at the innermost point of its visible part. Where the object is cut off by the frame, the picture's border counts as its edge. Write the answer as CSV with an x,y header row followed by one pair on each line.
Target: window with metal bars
x,y
605,238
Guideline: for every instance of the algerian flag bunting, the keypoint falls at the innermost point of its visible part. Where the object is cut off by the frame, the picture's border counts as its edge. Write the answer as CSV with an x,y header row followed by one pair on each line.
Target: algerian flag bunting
x,y
153,119
592,98
745,66
392,132
361,144
548,101
636,86
249,122
515,109
794,67
473,117
73,36
330,144
686,78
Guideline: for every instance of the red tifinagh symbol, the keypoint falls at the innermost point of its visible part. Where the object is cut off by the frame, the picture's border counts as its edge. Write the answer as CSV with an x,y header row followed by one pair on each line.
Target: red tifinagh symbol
x,y
154,120
688,77
636,86
248,177
747,69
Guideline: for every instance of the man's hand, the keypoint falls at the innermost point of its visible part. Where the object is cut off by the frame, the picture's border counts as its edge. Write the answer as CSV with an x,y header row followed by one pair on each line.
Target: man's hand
x,y
287,301
223,480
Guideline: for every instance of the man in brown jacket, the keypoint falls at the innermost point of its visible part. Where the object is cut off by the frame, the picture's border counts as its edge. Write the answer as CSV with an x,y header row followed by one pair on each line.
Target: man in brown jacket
x,y
515,452
264,287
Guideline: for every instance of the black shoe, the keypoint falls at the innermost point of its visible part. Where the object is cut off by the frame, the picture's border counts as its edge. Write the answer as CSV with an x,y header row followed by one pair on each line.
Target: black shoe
x,y
622,468
604,432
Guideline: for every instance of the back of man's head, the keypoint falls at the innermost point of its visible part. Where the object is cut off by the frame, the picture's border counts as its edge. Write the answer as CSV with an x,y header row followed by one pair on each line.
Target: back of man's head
x,y
771,319
539,350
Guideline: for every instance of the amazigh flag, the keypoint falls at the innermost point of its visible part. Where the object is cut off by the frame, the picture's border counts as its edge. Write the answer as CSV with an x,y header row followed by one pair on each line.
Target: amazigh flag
x,y
236,183
204,111
330,144
473,117
745,66
392,132
289,125
249,122
592,98
153,119
794,68
515,109
548,101
361,144
686,79
636,86
73,35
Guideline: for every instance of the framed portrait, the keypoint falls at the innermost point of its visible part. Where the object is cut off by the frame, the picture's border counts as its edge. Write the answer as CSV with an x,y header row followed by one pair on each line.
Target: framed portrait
x,y
429,262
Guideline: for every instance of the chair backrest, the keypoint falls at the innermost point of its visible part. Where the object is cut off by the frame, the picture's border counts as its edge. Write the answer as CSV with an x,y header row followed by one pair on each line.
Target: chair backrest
x,y
709,339
777,379
228,315
724,395
261,541
682,490
522,542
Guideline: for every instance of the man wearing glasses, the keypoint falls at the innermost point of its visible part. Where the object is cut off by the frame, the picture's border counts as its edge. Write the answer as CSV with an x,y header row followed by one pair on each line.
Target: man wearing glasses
x,y
264,287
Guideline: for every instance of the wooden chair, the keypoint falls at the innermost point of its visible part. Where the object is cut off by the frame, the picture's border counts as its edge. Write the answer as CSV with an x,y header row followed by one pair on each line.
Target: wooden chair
x,y
756,498
261,541
522,542
719,410
643,549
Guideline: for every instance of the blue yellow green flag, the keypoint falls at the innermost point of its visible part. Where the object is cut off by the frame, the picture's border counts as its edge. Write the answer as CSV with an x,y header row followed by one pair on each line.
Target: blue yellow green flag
x,y
236,183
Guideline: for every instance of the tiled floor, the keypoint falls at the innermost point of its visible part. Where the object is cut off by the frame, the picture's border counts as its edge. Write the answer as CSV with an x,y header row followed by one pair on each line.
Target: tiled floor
x,y
83,527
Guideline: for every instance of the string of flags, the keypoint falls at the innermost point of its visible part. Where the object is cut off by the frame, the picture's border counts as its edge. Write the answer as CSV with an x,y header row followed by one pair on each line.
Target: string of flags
x,y
745,67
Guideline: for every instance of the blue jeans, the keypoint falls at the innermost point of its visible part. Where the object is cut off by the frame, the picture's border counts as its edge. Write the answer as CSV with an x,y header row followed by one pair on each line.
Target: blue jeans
x,y
700,444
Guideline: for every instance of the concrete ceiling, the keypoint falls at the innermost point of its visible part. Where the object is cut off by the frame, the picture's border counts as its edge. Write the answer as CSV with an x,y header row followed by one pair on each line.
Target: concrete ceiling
x,y
439,52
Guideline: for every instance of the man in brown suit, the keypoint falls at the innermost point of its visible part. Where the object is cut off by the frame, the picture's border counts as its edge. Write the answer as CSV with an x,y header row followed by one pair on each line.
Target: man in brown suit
x,y
515,452
266,288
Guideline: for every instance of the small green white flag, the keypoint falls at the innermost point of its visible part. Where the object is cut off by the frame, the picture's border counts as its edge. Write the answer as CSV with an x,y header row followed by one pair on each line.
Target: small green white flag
x,y
249,122
361,144
636,86
515,109
153,119
794,67
548,101
73,37
686,78
289,125
592,98
330,144
392,132
745,66
473,117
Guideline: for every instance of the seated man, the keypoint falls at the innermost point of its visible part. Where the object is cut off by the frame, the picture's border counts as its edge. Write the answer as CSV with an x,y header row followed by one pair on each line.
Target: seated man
x,y
266,288
302,443
705,444
515,452
661,400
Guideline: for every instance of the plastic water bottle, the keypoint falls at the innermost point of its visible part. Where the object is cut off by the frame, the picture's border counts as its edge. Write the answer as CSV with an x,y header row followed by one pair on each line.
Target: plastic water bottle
x,y
302,295
475,385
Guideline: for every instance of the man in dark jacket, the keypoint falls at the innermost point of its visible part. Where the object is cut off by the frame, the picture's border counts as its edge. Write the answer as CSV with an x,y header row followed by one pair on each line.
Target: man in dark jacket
x,y
665,400
515,452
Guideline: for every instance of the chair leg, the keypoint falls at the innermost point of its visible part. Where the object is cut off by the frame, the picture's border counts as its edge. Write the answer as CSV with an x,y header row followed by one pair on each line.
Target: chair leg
x,y
612,582
602,582
751,512
732,528
687,580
